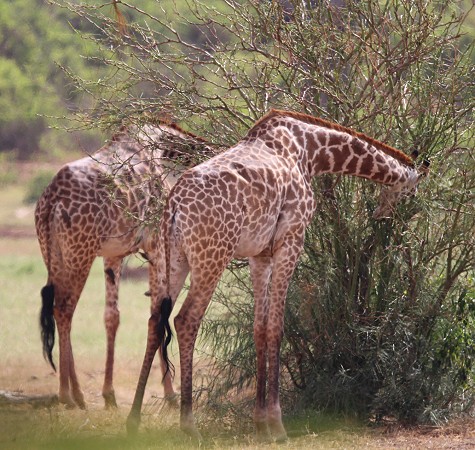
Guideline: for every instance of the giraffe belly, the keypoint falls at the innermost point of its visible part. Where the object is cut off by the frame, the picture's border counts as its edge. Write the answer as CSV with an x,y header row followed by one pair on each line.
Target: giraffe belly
x,y
115,247
246,251
254,242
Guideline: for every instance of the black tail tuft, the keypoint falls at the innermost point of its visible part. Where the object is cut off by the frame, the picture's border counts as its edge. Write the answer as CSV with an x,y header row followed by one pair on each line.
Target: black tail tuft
x,y
47,323
164,331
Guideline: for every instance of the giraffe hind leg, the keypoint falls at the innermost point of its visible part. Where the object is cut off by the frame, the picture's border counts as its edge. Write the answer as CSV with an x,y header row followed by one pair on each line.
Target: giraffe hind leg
x,y
63,315
261,270
66,366
76,391
68,286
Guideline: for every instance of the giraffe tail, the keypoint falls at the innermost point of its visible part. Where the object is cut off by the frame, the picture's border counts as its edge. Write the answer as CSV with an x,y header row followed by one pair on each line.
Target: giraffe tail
x,y
164,331
47,323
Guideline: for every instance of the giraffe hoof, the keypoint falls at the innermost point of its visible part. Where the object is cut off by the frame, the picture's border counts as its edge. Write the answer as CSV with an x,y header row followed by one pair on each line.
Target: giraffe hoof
x,y
192,432
280,439
81,403
278,432
67,401
263,435
132,424
172,400
109,400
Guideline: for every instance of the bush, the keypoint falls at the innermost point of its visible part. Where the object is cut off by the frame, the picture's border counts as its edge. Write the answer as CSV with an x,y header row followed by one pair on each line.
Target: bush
x,y
7,173
37,185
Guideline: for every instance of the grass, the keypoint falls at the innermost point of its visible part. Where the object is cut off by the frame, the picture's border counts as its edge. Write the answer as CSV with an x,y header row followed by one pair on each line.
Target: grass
x,y
97,429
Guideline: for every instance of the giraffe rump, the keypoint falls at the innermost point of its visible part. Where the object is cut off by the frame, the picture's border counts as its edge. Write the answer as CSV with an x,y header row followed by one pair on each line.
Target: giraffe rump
x,y
47,323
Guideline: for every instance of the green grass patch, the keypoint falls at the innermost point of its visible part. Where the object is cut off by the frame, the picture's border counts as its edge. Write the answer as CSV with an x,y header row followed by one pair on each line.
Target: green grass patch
x,y
37,185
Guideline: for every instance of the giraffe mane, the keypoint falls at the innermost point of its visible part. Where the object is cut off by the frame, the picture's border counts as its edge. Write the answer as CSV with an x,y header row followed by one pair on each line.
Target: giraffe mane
x,y
120,134
125,130
397,154
182,131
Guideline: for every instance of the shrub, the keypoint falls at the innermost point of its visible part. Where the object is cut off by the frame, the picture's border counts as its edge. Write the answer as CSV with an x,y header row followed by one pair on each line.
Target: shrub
x,y
37,185
7,174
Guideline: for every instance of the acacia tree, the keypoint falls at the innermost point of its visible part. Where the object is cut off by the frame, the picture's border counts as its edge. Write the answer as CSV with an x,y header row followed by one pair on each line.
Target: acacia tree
x,y
380,315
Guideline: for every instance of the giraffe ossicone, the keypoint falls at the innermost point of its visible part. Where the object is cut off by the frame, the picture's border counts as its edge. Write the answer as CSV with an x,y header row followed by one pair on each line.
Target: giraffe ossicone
x,y
99,206
253,200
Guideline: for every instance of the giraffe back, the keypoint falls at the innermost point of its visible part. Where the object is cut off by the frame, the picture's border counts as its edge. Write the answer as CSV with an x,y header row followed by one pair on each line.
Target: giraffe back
x,y
101,203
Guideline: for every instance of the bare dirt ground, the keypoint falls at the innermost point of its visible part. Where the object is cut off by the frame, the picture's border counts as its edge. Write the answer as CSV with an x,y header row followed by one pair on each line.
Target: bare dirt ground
x,y
459,434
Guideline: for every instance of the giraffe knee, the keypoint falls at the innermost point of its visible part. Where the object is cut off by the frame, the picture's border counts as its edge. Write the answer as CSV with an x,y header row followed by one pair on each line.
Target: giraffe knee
x,y
63,314
110,275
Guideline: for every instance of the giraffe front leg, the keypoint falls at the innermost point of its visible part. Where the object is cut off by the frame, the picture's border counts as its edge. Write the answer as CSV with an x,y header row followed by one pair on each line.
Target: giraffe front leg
x,y
169,393
133,419
179,272
187,324
286,254
153,343
112,269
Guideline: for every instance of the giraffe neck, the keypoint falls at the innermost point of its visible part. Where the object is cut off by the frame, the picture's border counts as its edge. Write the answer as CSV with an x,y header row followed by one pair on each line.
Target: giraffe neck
x,y
331,151
322,147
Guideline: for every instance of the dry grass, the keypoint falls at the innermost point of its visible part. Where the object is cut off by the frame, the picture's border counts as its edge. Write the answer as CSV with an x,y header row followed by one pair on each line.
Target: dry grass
x,y
59,428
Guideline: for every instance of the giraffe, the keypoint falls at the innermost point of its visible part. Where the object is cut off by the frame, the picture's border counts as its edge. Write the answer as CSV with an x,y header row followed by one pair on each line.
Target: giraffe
x,y
254,200
97,206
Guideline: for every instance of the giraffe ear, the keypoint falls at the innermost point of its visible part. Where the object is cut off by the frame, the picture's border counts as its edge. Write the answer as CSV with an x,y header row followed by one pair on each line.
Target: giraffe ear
x,y
144,256
424,168
415,154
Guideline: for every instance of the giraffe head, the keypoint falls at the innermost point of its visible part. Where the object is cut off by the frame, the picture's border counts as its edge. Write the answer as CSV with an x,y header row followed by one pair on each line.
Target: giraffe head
x,y
391,195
